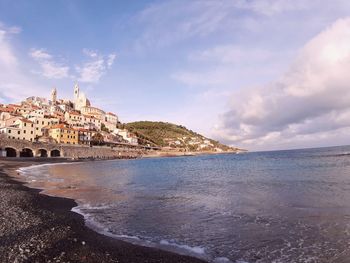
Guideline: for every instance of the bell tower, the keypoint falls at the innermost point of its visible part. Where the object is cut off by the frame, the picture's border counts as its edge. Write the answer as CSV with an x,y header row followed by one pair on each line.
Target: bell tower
x,y
54,95
76,92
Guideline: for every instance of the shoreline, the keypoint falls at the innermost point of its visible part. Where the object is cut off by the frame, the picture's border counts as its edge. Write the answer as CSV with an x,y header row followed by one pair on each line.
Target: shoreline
x,y
39,228
158,154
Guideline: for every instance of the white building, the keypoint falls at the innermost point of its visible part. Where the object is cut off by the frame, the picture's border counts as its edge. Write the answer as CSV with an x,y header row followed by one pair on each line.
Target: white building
x,y
110,120
80,99
22,129
127,136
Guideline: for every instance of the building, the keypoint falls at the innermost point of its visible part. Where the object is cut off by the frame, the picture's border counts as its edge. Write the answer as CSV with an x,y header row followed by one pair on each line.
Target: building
x,y
92,111
110,121
80,99
127,136
8,119
64,134
22,129
7,109
85,136
38,101
35,113
61,120
54,96
91,123
41,122
74,118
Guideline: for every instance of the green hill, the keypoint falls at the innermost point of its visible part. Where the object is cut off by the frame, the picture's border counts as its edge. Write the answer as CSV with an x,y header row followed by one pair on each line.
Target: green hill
x,y
166,134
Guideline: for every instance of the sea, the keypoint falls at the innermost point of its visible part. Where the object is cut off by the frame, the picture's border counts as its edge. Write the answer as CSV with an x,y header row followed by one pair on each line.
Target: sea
x,y
280,206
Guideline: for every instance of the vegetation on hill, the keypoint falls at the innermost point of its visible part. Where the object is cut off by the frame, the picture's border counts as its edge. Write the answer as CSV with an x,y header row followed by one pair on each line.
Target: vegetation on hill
x,y
166,134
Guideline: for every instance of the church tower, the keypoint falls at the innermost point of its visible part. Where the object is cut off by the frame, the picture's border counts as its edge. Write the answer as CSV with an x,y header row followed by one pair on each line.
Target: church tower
x,y
54,96
76,92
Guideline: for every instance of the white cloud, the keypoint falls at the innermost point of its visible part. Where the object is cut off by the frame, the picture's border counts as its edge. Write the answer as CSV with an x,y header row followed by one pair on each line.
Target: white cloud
x,y
14,83
90,53
90,71
110,59
232,54
310,102
272,7
7,58
97,65
173,21
49,68
227,66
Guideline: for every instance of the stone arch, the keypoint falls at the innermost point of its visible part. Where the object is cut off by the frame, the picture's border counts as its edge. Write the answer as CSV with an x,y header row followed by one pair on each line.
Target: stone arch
x,y
26,152
55,153
42,153
10,152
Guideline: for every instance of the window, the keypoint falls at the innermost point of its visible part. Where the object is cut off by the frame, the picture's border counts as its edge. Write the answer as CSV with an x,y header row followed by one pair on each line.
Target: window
x,y
19,132
31,132
25,124
9,131
24,131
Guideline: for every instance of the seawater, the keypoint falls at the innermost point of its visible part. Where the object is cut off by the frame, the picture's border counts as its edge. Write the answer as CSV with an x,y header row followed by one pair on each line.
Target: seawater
x,y
282,206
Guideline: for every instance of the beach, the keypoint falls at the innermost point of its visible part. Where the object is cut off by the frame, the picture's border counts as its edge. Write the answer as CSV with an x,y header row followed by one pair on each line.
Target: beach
x,y
40,228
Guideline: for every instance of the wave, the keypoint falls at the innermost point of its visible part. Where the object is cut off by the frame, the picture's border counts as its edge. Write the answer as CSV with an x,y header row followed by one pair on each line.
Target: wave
x,y
36,166
200,252
183,249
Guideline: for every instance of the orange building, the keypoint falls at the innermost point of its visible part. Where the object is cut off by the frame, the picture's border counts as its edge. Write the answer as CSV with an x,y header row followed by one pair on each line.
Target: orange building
x,y
64,134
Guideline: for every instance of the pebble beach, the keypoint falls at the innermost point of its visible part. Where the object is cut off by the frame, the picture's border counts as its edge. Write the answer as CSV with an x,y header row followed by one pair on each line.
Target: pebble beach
x,y
39,228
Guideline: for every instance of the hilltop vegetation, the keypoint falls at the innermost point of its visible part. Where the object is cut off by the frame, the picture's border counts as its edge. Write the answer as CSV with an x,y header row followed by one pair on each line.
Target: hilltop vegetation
x,y
166,134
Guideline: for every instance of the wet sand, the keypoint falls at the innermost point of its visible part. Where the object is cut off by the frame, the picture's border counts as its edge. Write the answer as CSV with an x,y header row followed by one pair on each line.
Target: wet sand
x,y
39,228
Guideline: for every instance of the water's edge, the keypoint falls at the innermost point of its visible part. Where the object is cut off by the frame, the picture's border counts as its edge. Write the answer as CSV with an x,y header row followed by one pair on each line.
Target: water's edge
x,y
181,249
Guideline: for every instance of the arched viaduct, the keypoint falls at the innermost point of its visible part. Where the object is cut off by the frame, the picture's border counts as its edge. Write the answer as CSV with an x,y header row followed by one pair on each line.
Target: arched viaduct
x,y
22,148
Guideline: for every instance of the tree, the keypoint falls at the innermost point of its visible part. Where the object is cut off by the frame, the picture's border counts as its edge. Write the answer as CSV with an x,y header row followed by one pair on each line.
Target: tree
x,y
104,128
97,139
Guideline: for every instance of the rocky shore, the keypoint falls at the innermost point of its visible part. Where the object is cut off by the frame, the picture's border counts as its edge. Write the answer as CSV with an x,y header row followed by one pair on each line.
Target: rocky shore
x,y
39,228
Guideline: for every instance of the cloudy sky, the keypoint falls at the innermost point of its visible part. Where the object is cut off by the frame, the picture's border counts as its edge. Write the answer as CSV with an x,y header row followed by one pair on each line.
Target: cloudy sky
x,y
258,74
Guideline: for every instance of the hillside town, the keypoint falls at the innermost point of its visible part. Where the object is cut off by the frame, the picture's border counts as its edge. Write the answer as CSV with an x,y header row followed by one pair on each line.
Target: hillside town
x,y
62,121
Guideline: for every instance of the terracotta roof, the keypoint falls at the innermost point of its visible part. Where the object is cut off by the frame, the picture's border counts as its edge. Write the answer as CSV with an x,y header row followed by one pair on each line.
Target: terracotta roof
x,y
25,120
6,109
14,105
74,113
111,113
59,126
89,116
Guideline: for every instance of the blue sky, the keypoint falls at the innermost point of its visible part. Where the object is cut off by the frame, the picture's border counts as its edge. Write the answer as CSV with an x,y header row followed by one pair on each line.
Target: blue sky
x,y
239,71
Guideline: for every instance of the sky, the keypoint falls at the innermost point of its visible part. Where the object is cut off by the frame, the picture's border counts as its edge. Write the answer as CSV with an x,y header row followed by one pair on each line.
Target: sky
x,y
256,74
